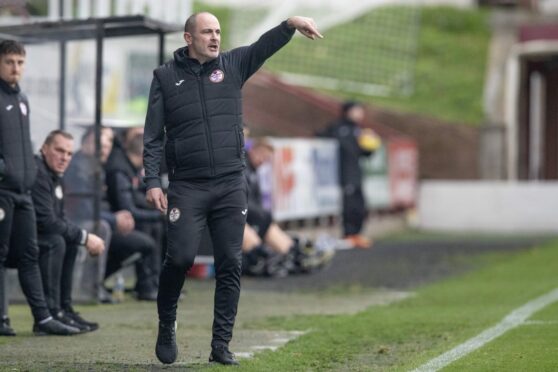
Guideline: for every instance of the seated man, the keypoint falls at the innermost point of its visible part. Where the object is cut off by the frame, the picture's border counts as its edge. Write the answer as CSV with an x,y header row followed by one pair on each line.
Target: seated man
x,y
126,190
58,238
125,242
263,236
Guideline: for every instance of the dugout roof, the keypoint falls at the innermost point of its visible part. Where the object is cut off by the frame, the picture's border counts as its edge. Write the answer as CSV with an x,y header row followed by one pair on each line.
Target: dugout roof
x,y
91,28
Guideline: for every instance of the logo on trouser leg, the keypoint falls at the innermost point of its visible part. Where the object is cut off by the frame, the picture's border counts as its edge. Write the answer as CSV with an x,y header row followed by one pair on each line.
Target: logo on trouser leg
x,y
174,215
244,211
2,214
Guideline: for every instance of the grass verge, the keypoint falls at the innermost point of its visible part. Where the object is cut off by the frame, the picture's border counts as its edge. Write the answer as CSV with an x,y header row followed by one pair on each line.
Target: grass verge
x,y
404,335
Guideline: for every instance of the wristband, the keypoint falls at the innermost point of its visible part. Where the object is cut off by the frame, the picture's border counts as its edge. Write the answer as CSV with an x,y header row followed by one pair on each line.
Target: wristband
x,y
84,237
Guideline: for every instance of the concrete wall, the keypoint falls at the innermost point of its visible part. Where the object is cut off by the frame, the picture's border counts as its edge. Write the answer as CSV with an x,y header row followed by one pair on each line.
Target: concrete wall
x,y
489,206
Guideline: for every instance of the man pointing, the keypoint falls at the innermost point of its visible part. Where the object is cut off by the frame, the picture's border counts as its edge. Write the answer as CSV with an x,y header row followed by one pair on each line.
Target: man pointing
x,y
195,99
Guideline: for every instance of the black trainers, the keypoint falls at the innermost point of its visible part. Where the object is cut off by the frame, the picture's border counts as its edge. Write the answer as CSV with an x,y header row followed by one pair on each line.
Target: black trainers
x,y
221,354
277,265
54,327
307,258
254,262
62,317
166,349
5,329
74,315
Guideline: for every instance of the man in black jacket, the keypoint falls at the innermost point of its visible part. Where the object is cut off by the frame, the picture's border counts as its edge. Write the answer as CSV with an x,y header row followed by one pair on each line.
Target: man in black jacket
x,y
354,142
126,191
126,245
18,232
195,100
59,239
125,187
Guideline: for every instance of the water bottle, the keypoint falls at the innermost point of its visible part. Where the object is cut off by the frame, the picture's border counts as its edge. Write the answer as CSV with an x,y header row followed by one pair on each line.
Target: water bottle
x,y
118,288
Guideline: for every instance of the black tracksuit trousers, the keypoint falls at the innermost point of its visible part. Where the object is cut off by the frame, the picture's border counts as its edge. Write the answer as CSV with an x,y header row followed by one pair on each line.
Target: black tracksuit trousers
x,y
56,260
122,250
354,209
220,204
19,249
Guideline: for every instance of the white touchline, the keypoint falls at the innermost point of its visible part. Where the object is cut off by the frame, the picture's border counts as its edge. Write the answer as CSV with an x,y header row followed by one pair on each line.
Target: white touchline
x,y
512,320
281,338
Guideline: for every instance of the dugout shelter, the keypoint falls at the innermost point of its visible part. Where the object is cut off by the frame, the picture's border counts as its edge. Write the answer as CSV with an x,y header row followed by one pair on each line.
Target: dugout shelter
x,y
97,29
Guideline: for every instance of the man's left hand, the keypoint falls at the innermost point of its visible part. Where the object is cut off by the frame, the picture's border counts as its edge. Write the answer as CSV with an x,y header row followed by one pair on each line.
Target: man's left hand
x,y
305,26
95,245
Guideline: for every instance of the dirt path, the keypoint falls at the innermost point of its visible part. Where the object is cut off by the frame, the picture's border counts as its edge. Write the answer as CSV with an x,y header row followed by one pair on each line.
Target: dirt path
x,y
128,330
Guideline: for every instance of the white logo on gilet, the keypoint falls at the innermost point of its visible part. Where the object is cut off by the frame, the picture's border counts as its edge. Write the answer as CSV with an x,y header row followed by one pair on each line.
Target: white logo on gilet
x,y
217,76
174,215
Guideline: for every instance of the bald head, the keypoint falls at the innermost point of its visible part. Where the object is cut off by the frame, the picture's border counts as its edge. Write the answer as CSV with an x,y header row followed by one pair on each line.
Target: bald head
x,y
190,24
202,33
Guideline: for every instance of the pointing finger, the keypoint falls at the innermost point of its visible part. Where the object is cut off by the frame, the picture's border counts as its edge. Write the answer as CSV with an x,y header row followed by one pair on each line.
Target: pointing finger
x,y
312,32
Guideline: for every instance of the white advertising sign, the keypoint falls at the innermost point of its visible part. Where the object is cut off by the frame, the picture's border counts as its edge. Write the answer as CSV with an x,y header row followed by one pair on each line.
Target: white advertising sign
x,y
305,178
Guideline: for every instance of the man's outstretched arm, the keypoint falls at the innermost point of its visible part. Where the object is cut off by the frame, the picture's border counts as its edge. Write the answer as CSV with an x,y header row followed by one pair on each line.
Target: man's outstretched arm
x,y
305,26
251,58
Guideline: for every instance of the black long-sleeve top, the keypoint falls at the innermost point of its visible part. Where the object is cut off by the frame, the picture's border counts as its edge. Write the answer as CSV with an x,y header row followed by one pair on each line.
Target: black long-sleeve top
x,y
48,198
17,167
125,189
346,132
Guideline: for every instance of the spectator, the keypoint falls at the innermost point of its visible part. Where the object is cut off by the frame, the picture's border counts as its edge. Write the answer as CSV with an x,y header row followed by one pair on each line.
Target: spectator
x,y
79,181
126,190
59,239
354,143
262,232
117,154
125,242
